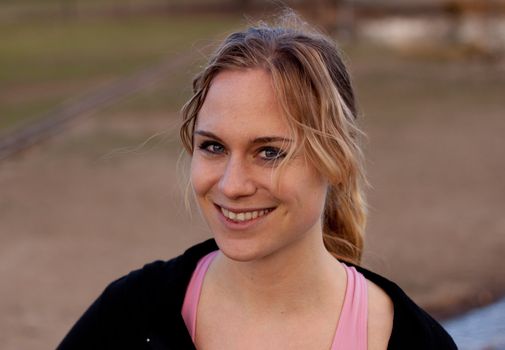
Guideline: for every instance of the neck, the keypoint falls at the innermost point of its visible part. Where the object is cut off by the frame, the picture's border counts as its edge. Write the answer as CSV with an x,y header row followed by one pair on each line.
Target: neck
x,y
294,279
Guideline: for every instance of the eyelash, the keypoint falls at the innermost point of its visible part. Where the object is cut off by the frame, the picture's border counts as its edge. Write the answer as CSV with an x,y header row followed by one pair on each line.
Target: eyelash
x,y
279,153
207,145
204,146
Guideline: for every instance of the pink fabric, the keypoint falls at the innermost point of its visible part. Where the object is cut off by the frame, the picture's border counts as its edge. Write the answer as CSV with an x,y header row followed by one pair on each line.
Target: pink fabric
x,y
192,296
352,327
351,332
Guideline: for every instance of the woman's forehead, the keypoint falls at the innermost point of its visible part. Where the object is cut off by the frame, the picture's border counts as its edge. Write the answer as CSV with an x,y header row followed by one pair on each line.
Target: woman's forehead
x,y
243,102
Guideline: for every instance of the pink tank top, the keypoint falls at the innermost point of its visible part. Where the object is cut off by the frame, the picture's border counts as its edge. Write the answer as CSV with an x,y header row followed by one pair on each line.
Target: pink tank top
x,y
351,331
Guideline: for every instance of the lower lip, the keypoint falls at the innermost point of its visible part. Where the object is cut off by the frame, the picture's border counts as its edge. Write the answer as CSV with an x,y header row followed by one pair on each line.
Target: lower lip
x,y
241,225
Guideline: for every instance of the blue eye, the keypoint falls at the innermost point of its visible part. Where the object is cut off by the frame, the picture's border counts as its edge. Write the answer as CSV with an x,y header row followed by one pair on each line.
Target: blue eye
x,y
271,153
212,147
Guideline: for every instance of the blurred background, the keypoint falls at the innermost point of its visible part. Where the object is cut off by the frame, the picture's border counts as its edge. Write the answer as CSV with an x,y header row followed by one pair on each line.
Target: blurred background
x,y
90,167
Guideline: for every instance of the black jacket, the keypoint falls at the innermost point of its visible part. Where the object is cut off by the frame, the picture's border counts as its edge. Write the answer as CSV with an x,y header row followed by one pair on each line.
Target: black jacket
x,y
142,310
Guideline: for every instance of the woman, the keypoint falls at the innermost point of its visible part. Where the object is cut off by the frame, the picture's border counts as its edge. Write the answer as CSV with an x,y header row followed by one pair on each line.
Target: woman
x,y
276,171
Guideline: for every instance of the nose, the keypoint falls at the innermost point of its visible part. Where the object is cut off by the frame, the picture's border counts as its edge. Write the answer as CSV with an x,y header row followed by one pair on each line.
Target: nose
x,y
236,180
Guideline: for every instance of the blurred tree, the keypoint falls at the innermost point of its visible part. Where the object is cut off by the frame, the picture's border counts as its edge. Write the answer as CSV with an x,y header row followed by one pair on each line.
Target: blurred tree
x,y
471,27
346,20
334,16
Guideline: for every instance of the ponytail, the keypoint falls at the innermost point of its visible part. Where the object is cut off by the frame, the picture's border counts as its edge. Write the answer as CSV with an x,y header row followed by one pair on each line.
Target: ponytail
x,y
343,224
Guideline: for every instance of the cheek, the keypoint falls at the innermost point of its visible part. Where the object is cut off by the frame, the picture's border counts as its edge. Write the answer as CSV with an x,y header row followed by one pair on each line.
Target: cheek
x,y
304,191
199,175
312,206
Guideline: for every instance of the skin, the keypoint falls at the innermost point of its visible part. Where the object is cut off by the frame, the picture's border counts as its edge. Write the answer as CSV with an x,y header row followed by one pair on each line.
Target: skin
x,y
273,285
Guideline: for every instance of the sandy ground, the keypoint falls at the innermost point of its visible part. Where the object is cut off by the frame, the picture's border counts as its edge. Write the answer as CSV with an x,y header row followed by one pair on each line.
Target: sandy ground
x,y
74,215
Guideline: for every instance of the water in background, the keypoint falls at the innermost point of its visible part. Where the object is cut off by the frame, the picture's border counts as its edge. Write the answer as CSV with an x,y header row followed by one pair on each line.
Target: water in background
x,y
480,329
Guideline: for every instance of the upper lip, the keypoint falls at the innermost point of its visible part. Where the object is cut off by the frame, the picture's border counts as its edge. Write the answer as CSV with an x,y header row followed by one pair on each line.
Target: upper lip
x,y
243,210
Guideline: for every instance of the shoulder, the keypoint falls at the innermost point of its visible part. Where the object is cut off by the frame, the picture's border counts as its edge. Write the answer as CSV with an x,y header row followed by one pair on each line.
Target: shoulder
x,y
412,327
380,317
167,272
144,304
159,280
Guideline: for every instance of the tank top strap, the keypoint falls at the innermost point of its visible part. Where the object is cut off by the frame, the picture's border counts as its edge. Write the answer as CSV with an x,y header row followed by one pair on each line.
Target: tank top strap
x,y
190,304
352,327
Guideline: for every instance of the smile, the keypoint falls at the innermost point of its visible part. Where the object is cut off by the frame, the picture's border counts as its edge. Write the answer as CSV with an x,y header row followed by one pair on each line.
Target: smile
x,y
244,216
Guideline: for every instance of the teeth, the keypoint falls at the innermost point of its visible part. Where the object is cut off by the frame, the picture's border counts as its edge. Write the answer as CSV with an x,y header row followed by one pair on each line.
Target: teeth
x,y
244,216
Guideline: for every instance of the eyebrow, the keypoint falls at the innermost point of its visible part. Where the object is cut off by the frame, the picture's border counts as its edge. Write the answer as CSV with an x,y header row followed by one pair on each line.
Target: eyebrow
x,y
258,140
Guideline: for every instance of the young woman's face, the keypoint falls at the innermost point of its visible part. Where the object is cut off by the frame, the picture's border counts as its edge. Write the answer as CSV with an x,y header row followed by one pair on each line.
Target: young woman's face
x,y
240,137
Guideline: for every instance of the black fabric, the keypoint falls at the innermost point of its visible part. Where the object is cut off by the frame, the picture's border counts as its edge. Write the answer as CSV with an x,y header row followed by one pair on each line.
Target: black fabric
x,y
142,310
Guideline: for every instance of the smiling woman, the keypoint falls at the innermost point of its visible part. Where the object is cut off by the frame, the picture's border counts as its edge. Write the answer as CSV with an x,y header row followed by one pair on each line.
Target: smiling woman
x,y
239,142
276,172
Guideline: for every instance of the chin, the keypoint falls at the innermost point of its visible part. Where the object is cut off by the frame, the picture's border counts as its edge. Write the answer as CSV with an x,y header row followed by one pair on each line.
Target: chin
x,y
242,250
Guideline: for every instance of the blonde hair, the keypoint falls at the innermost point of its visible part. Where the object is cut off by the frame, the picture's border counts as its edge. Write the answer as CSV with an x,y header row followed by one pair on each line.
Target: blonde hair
x,y
314,90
